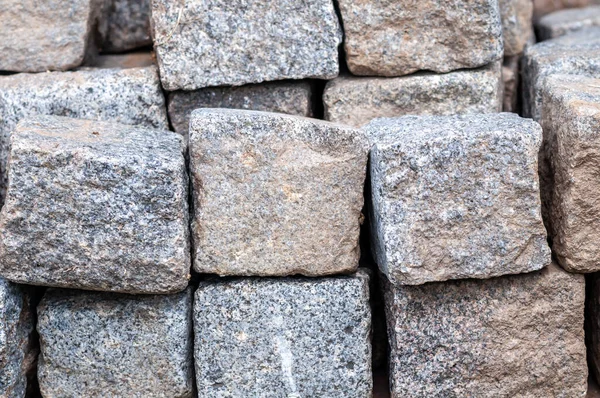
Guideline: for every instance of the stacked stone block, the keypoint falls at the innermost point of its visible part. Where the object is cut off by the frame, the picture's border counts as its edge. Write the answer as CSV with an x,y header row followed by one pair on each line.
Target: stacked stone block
x,y
567,21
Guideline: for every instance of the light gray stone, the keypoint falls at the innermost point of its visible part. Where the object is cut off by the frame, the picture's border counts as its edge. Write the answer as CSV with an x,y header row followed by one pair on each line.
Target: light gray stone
x,y
283,338
95,205
130,96
543,7
571,122
395,38
517,26
573,54
126,26
41,35
112,345
202,43
563,22
275,194
357,100
293,98
456,197
510,78
512,336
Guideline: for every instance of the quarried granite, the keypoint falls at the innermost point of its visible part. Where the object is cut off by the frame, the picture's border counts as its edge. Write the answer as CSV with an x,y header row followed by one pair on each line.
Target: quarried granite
x,y
563,22
126,25
517,26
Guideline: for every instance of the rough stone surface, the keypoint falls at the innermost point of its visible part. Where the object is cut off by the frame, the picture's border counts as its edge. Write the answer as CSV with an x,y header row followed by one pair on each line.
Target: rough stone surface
x,y
567,21
456,197
395,38
571,122
127,25
574,54
125,61
40,35
283,338
95,205
510,78
513,336
16,344
111,345
516,25
293,98
357,100
543,7
201,43
130,96
275,194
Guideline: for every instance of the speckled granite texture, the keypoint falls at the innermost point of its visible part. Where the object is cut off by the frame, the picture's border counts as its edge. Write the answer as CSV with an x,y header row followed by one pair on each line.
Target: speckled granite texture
x,y
567,21
283,338
95,205
517,27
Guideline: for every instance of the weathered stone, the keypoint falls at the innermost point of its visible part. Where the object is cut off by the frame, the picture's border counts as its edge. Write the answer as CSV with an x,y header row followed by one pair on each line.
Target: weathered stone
x,y
543,7
395,38
573,54
516,25
112,345
357,100
293,98
571,122
40,35
512,336
456,197
95,205
275,194
567,21
17,353
510,78
127,25
203,43
283,338
125,61
130,96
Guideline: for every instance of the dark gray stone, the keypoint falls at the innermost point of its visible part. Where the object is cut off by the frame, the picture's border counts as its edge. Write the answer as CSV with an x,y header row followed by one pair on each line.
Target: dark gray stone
x,y
126,26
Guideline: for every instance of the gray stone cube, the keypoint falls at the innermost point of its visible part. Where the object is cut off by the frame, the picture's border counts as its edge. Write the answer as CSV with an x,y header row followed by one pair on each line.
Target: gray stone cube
x,y
275,194
567,21
202,43
517,29
95,205
113,345
283,338
456,197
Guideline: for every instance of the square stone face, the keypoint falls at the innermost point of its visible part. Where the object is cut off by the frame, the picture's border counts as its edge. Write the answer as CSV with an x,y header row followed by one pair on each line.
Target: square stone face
x,y
95,205
259,337
41,35
567,21
456,197
395,38
112,345
202,43
357,100
571,122
512,336
275,194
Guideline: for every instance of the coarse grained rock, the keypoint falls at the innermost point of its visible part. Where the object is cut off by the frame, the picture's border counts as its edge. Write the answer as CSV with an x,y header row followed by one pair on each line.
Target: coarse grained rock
x,y
96,206
41,35
357,100
275,194
395,38
131,96
202,43
455,197
543,7
571,122
567,21
96,344
573,54
283,337
293,98
517,26
17,353
511,336
510,78
126,25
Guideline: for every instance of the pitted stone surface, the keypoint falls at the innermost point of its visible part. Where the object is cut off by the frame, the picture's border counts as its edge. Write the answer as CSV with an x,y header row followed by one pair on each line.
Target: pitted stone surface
x,y
571,122
275,194
573,54
283,338
127,25
283,97
567,21
130,96
357,100
113,345
512,336
456,197
395,38
202,43
95,205
516,25
41,35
